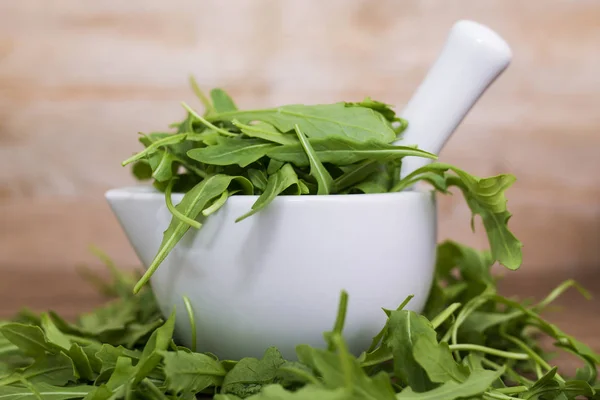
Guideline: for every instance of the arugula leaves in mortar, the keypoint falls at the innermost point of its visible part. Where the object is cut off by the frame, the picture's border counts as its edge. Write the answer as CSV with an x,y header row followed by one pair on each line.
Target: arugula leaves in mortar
x,y
470,342
325,149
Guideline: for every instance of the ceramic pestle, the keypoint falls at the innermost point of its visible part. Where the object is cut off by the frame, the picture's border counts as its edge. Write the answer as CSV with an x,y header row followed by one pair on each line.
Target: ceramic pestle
x,y
471,59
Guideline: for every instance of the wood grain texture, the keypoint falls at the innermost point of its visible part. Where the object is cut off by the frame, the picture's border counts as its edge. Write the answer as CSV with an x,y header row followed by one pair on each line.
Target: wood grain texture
x,y
78,80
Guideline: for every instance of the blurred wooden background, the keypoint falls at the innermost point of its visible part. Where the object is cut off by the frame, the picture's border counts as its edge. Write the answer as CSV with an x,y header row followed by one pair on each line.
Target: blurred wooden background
x,y
79,79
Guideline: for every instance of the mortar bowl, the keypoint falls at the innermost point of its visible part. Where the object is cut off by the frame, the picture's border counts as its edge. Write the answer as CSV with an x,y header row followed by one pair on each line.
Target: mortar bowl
x,y
275,278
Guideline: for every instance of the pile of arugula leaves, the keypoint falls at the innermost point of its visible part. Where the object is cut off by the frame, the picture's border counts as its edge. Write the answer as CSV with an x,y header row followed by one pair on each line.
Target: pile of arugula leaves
x,y
323,149
470,342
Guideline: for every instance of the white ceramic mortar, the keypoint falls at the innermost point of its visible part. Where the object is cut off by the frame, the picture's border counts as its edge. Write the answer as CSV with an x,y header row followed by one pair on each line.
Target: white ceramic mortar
x,y
274,279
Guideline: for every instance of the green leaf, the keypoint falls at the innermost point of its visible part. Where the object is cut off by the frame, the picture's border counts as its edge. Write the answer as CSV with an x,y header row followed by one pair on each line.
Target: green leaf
x,y
201,96
108,356
155,145
274,166
436,359
262,130
378,182
142,170
30,339
249,374
343,151
359,123
309,392
382,108
44,391
191,205
99,393
107,323
404,327
151,357
546,386
317,170
53,334
475,385
81,362
191,372
341,370
258,178
221,101
355,173
486,198
124,372
242,152
283,181
54,369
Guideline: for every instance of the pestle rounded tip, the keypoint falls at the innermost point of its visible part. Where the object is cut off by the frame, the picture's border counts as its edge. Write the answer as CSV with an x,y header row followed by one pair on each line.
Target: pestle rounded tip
x,y
485,38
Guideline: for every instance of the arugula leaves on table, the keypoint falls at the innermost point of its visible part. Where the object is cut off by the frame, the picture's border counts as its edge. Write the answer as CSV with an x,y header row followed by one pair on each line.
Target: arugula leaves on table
x,y
442,354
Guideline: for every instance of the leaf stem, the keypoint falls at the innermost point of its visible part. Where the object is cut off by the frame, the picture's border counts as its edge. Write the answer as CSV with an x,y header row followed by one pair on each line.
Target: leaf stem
x,y
183,218
499,396
216,205
206,123
532,354
444,315
200,94
171,139
341,315
489,350
153,389
301,374
190,312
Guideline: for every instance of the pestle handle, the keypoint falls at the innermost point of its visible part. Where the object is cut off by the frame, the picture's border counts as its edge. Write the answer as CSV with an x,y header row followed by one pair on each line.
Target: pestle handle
x,y
472,58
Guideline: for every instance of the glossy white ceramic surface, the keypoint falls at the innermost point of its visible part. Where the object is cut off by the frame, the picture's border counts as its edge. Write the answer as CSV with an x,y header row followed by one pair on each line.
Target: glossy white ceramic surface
x,y
275,278
471,59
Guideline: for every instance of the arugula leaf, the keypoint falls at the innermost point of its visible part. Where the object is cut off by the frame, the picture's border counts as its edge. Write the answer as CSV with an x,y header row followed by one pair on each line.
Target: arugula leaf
x,y
485,197
283,181
274,166
108,356
309,392
29,339
82,363
191,206
342,370
151,356
242,152
384,109
258,178
44,391
53,334
436,359
191,372
99,393
355,173
265,131
54,369
378,182
317,170
250,374
343,151
476,384
323,120
123,373
404,327
221,101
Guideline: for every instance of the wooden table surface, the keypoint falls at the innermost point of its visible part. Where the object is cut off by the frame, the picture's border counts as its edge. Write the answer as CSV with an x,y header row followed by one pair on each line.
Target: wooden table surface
x,y
67,293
